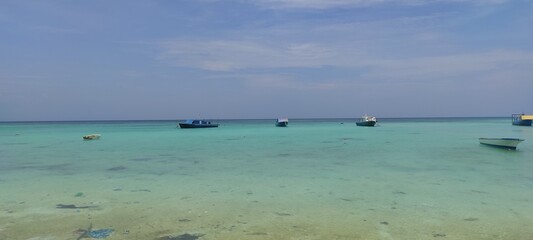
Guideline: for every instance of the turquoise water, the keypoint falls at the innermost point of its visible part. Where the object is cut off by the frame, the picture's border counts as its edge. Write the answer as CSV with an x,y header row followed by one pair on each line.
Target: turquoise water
x,y
316,179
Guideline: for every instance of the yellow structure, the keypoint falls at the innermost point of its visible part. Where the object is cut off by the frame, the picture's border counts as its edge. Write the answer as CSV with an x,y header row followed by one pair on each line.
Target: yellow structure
x,y
526,117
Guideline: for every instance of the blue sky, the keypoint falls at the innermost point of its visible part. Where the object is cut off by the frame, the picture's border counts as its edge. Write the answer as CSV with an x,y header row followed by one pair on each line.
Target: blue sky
x,y
104,60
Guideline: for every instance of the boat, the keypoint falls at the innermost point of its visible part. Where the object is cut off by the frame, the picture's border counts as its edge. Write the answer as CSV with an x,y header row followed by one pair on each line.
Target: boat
x,y
282,122
522,119
509,143
197,124
367,121
91,137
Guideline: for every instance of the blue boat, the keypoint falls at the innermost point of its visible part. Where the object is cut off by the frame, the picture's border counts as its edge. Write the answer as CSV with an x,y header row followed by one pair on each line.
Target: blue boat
x,y
282,122
197,124
522,119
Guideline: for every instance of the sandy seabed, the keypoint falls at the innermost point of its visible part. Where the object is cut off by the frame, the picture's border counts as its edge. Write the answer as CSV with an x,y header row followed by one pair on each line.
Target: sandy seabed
x,y
240,215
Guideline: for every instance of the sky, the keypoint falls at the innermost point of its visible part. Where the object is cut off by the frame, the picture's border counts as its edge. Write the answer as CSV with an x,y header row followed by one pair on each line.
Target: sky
x,y
256,59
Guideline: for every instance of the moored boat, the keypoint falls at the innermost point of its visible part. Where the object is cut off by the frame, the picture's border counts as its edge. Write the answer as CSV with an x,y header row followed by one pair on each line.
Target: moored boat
x,y
197,124
92,137
367,121
282,122
522,119
509,143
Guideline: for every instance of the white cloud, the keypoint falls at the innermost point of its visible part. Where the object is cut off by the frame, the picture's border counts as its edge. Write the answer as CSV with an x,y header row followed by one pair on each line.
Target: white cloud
x,y
324,4
225,55
408,48
316,4
235,56
463,67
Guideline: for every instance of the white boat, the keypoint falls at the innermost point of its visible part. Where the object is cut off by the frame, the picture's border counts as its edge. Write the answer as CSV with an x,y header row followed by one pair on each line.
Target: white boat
x,y
91,137
282,122
510,143
367,121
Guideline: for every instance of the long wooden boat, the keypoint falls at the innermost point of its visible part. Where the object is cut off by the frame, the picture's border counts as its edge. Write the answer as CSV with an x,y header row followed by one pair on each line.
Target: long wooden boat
x,y
509,143
197,124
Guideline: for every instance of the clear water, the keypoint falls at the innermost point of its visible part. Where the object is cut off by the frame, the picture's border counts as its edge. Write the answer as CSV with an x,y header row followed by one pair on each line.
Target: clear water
x,y
316,179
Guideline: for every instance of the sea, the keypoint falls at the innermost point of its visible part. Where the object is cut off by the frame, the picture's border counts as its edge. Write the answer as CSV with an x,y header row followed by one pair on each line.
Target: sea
x,y
425,178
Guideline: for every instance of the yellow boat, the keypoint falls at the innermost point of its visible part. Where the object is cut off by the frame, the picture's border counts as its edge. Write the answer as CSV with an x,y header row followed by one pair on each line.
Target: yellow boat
x,y
522,119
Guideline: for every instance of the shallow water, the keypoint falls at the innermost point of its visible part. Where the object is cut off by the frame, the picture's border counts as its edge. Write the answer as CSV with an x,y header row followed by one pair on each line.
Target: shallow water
x,y
316,179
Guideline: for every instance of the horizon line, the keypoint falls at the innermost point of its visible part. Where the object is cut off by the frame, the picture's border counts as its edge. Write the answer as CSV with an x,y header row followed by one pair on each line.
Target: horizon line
x,y
230,119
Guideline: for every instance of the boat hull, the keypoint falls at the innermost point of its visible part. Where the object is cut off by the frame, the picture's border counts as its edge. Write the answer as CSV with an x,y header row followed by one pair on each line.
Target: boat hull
x,y
189,125
366,123
509,143
281,124
519,122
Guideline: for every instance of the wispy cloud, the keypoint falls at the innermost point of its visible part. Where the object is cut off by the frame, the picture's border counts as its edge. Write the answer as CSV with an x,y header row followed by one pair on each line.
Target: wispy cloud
x,y
405,49
238,56
324,4
226,55
302,45
457,67
62,30
316,4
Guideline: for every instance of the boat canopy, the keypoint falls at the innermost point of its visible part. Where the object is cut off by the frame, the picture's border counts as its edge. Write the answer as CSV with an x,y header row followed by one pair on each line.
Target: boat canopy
x,y
366,118
527,117
194,121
